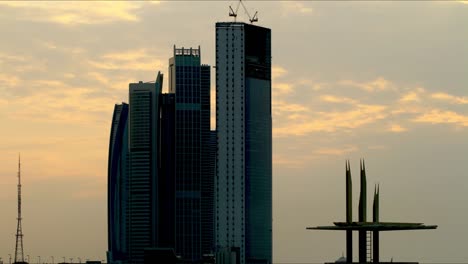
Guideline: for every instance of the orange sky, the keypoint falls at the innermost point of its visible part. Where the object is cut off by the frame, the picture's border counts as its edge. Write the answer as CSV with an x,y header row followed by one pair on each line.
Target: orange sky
x,y
385,81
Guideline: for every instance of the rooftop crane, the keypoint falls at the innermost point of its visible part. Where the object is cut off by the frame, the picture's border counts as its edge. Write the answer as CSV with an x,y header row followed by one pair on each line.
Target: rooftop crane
x,y
233,13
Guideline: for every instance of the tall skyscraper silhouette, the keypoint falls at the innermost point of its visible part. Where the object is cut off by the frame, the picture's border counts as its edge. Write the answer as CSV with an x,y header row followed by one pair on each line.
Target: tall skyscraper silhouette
x,y
189,81
143,182
161,181
117,192
243,183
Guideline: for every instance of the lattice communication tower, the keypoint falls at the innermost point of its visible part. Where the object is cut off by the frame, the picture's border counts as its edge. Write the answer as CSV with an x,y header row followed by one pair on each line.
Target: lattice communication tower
x,y
19,253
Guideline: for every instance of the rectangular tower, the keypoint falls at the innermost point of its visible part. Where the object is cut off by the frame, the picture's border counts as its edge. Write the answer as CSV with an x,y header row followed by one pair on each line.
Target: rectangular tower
x,y
243,183
189,81
166,183
143,182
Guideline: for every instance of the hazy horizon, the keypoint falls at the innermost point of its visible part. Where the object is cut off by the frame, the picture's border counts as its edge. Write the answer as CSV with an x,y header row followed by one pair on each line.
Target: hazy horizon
x,y
383,81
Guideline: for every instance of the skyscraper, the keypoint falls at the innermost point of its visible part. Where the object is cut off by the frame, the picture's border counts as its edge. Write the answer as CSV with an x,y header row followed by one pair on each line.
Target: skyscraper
x,y
144,142
117,185
243,183
189,81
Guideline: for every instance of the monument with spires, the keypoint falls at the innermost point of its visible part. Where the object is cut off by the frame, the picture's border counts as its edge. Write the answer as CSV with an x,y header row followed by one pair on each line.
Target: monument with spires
x,y
368,232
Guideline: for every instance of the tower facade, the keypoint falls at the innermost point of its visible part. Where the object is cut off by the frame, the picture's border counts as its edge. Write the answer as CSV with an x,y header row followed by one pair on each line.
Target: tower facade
x,y
189,81
166,205
143,181
117,193
243,183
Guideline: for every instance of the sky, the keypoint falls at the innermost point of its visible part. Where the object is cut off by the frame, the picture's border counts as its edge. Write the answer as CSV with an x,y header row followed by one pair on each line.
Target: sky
x,y
383,81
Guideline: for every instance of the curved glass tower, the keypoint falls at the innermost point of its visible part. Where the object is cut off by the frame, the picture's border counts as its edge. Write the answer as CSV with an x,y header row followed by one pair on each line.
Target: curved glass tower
x,y
117,171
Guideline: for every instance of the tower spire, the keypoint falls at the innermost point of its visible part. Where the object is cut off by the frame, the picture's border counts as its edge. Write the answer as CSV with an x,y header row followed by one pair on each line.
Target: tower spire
x,y
19,254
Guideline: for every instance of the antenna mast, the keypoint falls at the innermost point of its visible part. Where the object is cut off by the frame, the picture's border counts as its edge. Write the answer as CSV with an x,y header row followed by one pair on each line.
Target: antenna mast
x,y
233,13
19,254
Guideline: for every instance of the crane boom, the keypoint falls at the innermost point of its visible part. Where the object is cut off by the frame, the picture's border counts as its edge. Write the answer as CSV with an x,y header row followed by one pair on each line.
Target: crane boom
x,y
233,13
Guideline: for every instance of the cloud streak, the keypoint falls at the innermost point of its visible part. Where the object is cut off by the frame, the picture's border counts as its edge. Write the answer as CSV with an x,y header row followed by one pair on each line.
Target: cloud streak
x,y
379,84
437,116
294,7
450,98
133,60
404,108
332,121
76,13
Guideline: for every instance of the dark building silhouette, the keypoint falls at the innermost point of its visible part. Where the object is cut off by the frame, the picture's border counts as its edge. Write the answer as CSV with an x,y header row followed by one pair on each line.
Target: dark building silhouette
x,y
189,81
243,187
161,168
369,240
166,189
144,210
117,192
207,193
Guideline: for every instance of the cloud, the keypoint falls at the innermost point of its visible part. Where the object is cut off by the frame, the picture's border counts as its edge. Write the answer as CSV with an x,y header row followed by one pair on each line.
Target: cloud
x,y
99,77
402,105
437,116
377,147
413,96
8,80
280,89
296,7
334,99
360,115
302,160
75,13
277,72
288,161
397,128
379,84
68,50
410,97
69,75
14,63
134,60
337,151
282,107
3,103
128,55
450,98
11,58
57,101
133,66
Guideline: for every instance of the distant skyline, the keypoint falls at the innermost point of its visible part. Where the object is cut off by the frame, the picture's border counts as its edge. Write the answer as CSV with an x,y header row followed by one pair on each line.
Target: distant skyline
x,y
384,81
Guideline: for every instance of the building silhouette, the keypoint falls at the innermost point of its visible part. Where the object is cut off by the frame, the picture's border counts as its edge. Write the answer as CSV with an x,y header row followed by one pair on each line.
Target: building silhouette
x,y
161,168
189,81
166,187
243,183
207,195
117,189
144,213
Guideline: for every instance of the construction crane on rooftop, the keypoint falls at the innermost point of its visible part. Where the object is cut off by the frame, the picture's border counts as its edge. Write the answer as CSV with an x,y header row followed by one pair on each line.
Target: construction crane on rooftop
x,y
233,13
